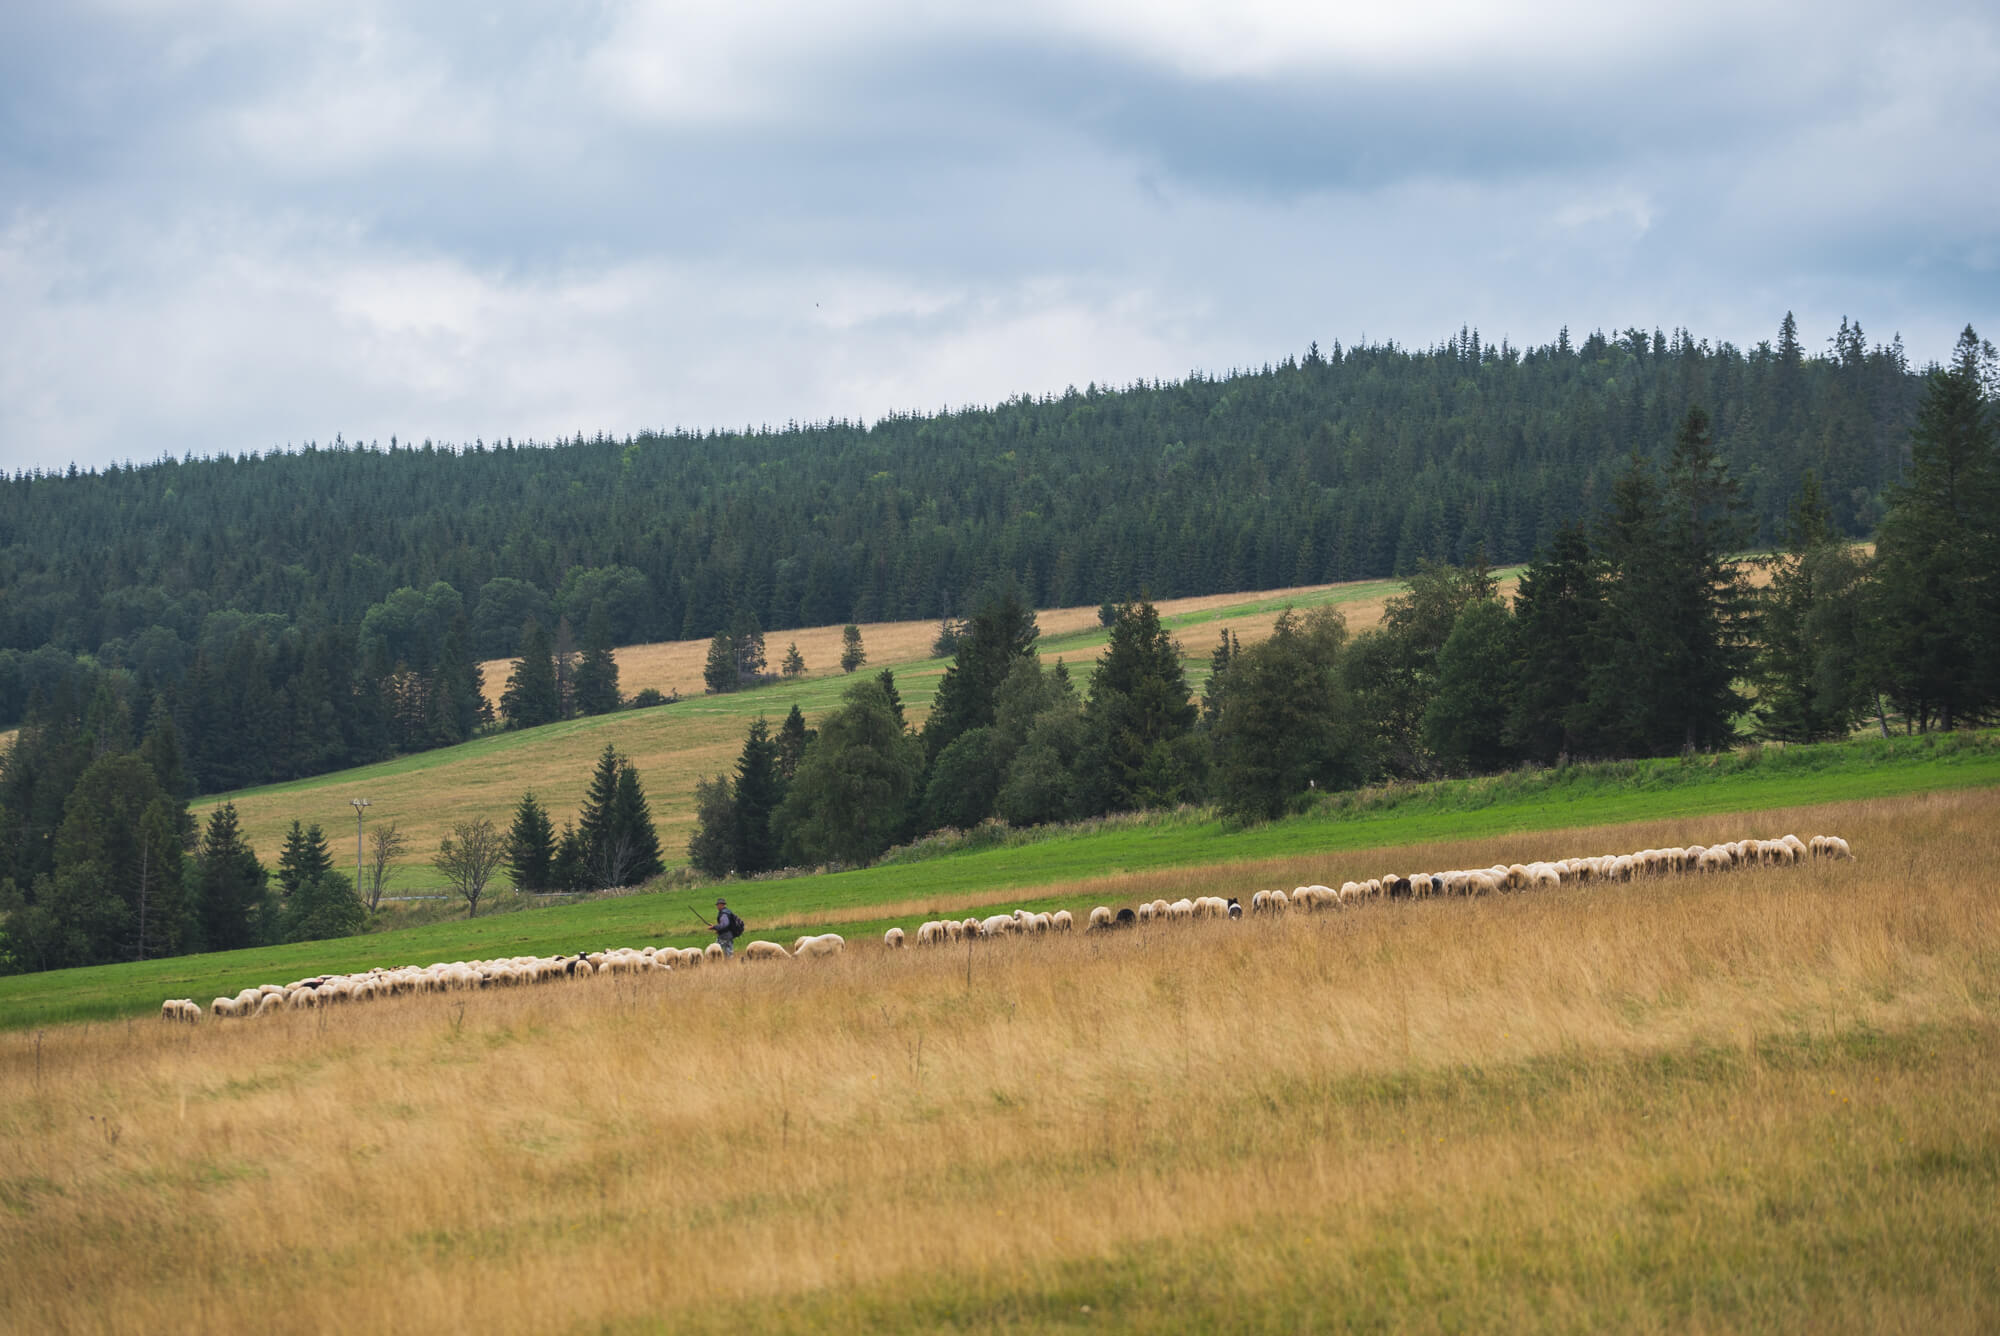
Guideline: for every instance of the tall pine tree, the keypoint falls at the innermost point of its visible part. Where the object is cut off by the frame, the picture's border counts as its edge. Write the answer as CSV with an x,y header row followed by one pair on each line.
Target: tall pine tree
x,y
1937,639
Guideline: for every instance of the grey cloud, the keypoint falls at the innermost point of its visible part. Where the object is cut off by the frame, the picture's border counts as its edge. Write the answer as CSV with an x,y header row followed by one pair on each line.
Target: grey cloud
x,y
237,229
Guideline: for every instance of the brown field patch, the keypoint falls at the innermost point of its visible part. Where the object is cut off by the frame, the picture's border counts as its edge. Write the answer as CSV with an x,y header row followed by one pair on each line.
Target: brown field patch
x,y
1755,1101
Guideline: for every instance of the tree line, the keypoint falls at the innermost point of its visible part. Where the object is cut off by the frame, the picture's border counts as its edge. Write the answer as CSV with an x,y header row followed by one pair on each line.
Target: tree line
x,y
1345,464
1633,634
101,861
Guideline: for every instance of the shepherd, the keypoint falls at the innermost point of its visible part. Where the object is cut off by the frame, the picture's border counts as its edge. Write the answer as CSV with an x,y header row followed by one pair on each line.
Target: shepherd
x,y
727,927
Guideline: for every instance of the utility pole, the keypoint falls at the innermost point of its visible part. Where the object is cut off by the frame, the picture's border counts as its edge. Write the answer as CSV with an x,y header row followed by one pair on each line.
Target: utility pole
x,y
358,804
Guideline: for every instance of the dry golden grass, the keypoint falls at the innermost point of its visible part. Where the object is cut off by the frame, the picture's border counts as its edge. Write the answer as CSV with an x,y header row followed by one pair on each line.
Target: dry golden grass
x,y
1756,1101
676,665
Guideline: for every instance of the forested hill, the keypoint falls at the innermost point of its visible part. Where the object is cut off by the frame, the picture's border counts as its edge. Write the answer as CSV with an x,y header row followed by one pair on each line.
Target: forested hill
x,y
1335,466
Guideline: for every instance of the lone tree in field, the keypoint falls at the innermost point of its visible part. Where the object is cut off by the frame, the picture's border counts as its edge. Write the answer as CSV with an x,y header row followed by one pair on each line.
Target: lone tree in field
x,y
386,843
852,656
467,858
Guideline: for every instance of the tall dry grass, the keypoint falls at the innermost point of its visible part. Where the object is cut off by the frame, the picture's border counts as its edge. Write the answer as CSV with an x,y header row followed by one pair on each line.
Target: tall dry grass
x,y
1760,1100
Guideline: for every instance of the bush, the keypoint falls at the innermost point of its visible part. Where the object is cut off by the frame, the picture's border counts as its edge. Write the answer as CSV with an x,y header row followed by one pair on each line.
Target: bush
x,y
326,906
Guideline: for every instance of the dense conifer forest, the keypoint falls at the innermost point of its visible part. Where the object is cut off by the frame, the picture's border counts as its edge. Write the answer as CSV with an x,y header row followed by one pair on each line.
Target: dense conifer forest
x,y
228,622
1347,464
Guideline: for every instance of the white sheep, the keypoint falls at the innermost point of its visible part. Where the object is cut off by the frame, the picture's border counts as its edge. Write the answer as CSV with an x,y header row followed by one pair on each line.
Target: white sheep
x,y
826,944
893,939
762,951
1101,918
1062,921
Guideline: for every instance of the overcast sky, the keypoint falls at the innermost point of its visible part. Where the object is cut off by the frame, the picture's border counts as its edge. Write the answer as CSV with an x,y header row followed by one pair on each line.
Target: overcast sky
x,y
235,225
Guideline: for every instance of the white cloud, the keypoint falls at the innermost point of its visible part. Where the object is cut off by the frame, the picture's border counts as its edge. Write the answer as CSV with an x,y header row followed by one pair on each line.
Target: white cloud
x,y
478,219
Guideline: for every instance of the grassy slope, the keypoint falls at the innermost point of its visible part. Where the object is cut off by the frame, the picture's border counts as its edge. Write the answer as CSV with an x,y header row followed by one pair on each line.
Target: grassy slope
x,y
674,745
1760,1102
1710,798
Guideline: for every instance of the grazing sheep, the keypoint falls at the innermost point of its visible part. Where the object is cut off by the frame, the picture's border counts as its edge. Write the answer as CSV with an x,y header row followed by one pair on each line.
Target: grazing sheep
x,y
826,944
764,951
1182,908
1062,921
1127,919
1100,919
180,1010
1145,914
222,1006
893,939
713,951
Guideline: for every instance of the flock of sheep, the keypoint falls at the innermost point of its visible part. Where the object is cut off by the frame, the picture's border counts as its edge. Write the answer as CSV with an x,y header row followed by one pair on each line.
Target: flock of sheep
x,y
327,990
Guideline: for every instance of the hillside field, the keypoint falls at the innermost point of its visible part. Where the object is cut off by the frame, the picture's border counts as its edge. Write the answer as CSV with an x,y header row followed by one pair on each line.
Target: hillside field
x,y
1526,815
674,745
1761,1100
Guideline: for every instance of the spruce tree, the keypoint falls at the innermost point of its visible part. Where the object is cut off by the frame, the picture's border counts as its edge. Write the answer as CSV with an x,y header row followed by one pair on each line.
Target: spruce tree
x,y
159,893
1809,682
530,698
596,824
1286,722
597,675
795,663
758,790
531,846
852,655
1711,610
718,673
1138,706
1556,608
632,820
1937,624
304,857
570,870
105,830
793,735
999,635
1218,663
887,681
746,642
229,884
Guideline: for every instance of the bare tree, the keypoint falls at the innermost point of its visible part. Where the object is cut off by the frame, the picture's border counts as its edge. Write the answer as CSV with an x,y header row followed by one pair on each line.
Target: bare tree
x,y
467,857
385,844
